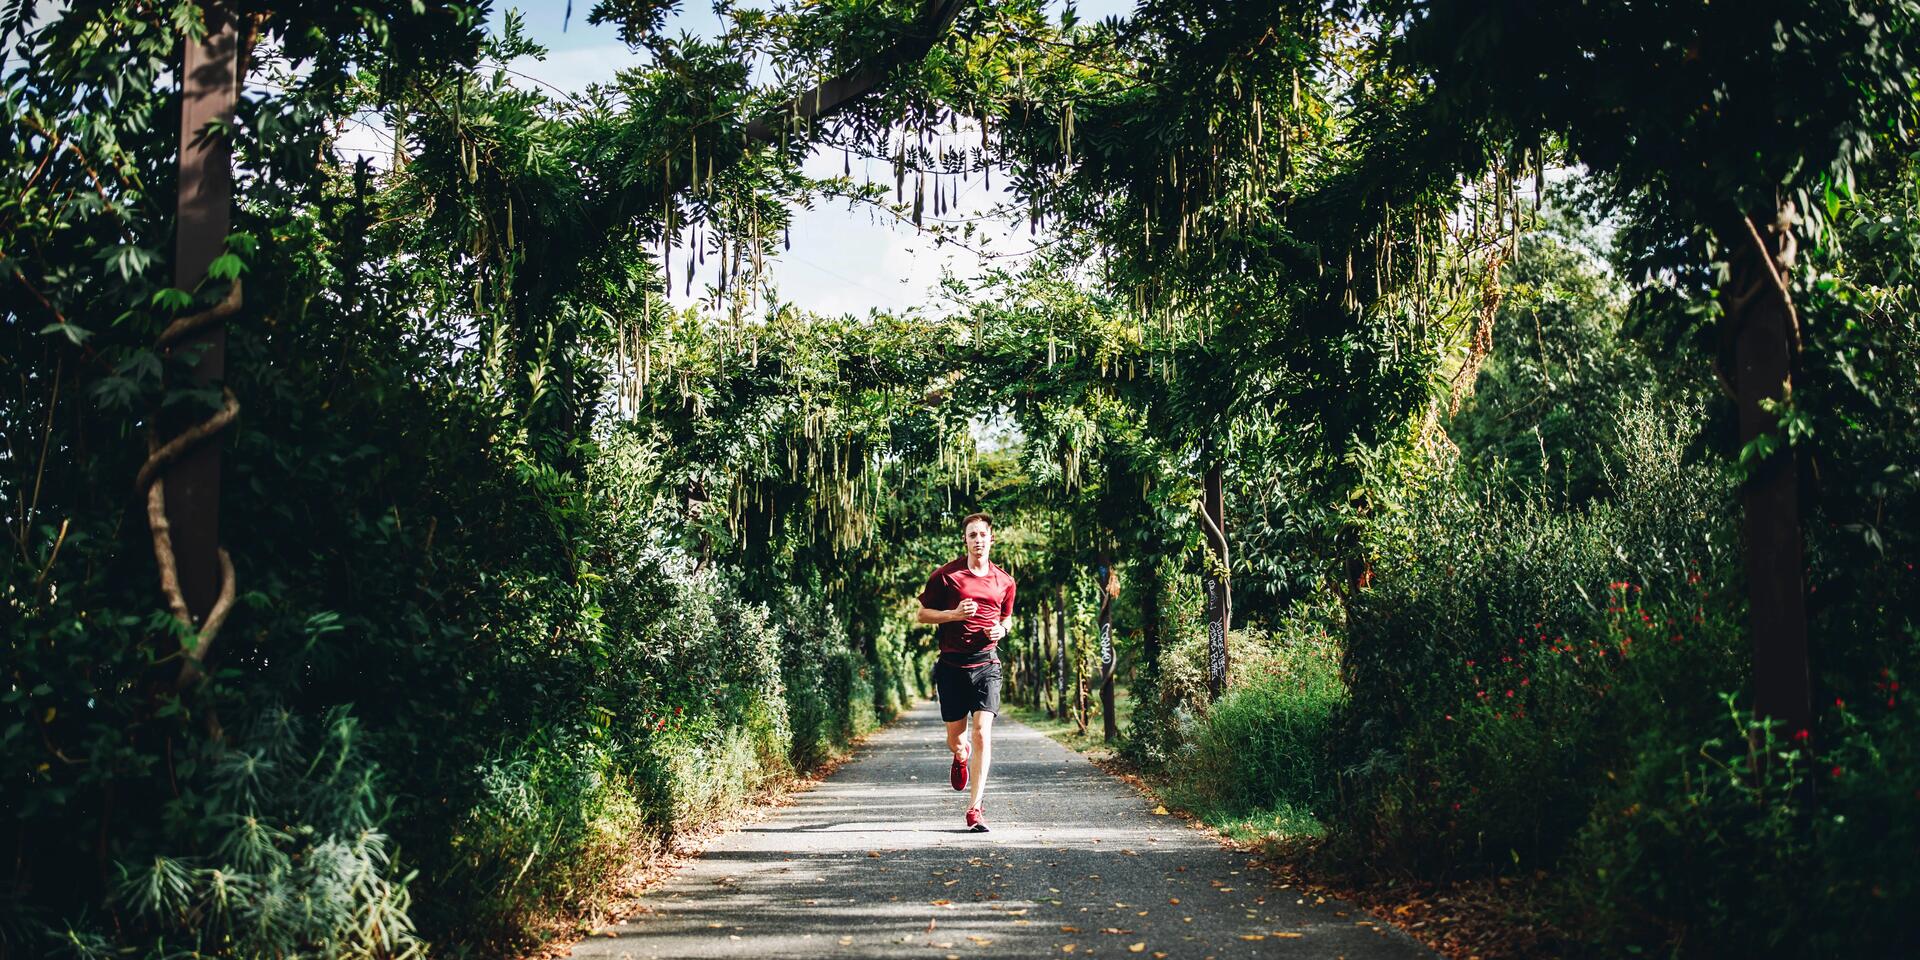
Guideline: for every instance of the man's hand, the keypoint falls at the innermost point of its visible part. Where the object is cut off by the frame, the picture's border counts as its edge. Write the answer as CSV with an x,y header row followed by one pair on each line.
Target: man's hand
x,y
966,609
998,631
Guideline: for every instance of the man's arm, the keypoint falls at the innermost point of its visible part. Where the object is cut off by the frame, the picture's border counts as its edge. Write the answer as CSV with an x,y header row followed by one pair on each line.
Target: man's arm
x,y
1005,626
930,615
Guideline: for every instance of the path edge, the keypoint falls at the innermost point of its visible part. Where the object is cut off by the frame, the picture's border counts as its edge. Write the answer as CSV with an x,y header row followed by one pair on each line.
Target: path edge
x,y
1287,868
652,868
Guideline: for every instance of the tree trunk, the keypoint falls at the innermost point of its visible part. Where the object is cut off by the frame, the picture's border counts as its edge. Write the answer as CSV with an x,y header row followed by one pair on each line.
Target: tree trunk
x,y
1109,588
1219,584
1060,627
1037,658
1150,619
210,88
1765,331
1080,694
1043,685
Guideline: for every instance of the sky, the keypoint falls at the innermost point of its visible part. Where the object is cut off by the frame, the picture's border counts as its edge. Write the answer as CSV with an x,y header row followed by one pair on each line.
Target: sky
x,y
842,260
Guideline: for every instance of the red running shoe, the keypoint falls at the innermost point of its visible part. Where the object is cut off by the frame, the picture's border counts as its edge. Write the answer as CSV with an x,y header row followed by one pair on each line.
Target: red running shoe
x,y
958,774
975,821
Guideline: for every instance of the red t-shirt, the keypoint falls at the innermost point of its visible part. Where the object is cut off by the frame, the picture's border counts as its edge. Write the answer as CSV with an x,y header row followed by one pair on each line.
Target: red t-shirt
x,y
965,642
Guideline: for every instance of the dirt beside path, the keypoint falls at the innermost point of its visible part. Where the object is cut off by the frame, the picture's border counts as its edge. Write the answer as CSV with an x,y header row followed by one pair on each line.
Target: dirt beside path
x,y
875,862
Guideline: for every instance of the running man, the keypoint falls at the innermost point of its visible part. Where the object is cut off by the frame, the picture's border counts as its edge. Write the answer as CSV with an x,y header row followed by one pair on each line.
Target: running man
x,y
972,601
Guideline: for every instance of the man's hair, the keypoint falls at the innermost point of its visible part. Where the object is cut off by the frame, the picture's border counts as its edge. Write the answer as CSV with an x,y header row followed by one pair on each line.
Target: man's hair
x,y
971,517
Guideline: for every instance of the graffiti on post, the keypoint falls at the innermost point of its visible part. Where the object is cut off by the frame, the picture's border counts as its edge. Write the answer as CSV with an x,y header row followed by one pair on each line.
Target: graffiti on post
x,y
1216,638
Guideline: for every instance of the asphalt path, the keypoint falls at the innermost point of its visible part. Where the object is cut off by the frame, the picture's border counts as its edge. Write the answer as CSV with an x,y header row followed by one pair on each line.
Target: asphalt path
x,y
876,861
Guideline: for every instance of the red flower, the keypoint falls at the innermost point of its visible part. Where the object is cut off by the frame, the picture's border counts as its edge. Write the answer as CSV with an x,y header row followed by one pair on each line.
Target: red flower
x,y
1837,772
1509,693
1802,735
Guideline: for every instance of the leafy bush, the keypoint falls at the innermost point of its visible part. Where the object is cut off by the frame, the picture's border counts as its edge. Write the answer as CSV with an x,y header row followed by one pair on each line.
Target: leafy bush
x,y
1704,849
1265,746
1472,591
286,856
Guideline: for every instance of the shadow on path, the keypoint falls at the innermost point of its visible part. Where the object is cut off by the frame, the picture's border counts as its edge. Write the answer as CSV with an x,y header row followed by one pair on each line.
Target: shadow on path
x,y
875,862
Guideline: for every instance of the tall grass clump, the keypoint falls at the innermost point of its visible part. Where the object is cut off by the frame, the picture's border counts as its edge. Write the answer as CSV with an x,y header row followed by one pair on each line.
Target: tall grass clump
x,y
1262,754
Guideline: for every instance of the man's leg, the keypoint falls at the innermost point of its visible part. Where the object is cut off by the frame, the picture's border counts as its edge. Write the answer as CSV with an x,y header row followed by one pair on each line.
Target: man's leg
x,y
982,750
956,731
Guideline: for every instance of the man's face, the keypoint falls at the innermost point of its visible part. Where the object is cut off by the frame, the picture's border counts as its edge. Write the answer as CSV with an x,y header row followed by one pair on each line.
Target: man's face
x,y
979,538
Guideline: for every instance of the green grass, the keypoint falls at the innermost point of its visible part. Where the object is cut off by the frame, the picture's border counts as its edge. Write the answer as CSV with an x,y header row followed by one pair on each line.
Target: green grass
x,y
1067,731
1285,824
1263,709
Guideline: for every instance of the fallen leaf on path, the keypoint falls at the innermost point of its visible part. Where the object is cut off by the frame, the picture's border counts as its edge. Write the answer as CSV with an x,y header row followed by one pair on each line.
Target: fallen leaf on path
x,y
1173,900
1288,934
1068,948
1159,811
1067,929
940,903
1253,936
1136,947
873,854
1116,930
930,922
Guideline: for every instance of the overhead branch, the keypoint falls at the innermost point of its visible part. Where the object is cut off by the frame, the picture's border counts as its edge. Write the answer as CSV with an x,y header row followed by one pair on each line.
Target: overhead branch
x,y
834,95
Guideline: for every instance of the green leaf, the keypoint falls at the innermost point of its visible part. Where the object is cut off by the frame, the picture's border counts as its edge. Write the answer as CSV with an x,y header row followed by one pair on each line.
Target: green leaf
x,y
171,299
226,266
75,335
